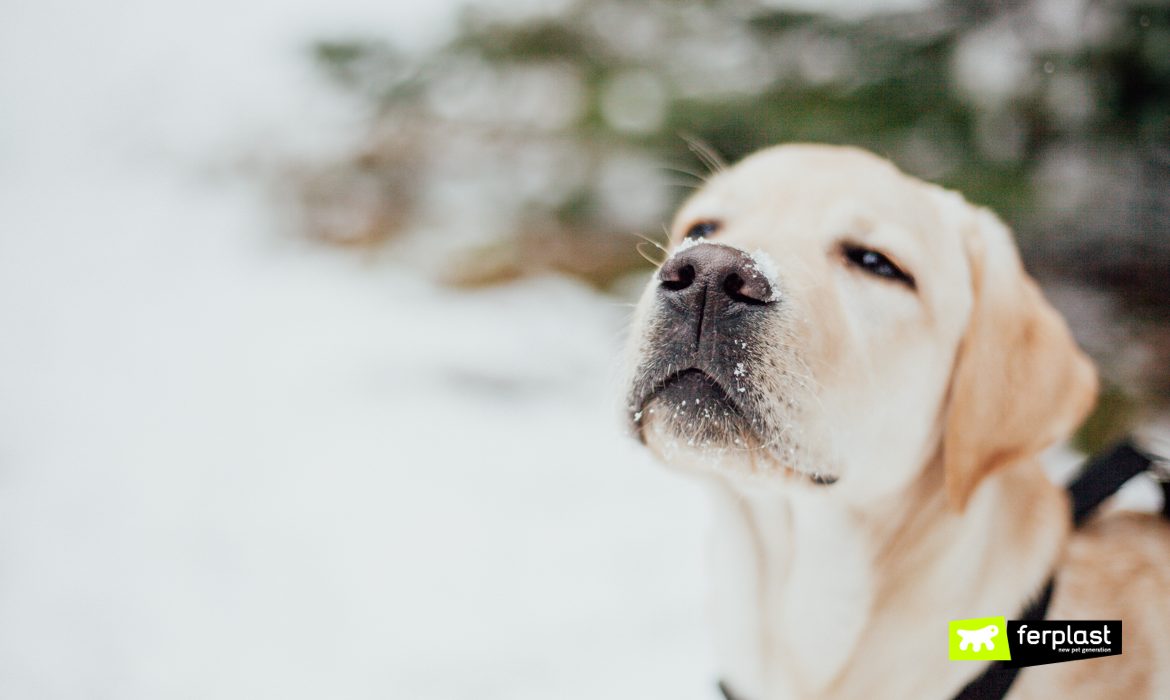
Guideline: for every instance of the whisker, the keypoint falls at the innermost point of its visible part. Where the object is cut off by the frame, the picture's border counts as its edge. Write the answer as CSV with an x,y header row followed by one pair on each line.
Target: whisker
x,y
683,171
651,241
666,234
655,258
705,152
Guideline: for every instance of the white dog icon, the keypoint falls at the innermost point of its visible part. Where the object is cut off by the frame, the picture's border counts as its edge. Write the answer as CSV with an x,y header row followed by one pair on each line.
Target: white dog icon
x,y
979,638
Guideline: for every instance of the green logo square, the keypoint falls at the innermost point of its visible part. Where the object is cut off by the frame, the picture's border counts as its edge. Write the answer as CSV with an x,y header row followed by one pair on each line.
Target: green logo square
x,y
979,639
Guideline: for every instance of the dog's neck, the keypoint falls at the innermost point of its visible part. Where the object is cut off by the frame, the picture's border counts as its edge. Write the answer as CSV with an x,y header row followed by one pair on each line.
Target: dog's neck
x,y
813,598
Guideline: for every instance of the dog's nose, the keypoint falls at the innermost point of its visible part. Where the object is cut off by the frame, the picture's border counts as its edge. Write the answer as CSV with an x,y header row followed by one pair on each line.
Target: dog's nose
x,y
705,269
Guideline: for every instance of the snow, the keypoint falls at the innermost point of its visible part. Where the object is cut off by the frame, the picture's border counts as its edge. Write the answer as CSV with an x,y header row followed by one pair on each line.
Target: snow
x,y
237,466
766,266
688,243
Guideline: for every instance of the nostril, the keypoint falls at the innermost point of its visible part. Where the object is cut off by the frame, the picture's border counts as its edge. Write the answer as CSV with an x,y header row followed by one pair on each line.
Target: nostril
x,y
676,278
732,285
756,291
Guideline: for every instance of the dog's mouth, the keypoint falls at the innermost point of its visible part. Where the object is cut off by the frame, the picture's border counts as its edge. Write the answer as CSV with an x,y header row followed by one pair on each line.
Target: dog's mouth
x,y
698,410
690,385
695,405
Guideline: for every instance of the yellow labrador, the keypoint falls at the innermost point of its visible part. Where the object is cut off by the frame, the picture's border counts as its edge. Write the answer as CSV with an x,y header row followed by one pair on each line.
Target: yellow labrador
x,y
859,365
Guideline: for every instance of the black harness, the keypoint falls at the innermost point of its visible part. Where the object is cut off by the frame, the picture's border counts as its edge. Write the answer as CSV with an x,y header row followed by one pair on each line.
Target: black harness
x,y
1099,479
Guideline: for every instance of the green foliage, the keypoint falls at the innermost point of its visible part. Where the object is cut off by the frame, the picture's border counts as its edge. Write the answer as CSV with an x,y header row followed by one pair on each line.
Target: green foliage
x,y
887,83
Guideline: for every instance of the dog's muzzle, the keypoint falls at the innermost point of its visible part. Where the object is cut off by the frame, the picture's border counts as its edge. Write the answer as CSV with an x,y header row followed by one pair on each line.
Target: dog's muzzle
x,y
711,302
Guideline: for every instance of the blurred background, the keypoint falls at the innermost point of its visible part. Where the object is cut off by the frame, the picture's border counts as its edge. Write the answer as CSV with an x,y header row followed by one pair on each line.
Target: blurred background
x,y
311,311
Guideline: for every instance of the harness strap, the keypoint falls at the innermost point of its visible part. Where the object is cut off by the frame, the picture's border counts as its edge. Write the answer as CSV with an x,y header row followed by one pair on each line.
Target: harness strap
x,y
996,680
1105,474
1099,479
727,694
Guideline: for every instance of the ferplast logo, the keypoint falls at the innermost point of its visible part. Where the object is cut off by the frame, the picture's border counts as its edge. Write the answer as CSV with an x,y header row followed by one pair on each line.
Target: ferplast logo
x,y
1067,637
1021,643
979,639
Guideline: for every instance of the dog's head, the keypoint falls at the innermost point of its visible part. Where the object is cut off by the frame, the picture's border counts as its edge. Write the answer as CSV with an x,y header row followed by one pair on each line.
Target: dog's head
x,y
826,321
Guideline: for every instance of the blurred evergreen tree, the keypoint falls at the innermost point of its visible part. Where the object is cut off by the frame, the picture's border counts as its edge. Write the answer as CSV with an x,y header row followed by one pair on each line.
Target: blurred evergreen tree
x,y
984,97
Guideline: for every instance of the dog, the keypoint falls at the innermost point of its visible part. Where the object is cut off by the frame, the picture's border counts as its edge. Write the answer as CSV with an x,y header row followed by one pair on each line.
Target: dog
x,y
977,639
858,365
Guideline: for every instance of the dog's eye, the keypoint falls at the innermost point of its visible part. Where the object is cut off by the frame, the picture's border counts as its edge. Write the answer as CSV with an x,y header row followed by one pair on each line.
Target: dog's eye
x,y
702,229
876,264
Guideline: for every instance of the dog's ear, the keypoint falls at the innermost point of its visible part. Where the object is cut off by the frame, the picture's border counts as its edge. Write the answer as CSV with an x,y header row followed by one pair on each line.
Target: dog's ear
x,y
1020,382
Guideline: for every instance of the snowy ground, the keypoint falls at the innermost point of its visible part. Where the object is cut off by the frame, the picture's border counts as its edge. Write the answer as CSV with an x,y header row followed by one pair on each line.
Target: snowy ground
x,y
233,466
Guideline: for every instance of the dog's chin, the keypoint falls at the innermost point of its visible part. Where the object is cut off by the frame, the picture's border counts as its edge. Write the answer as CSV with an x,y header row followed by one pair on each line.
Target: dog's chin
x,y
692,423
693,407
